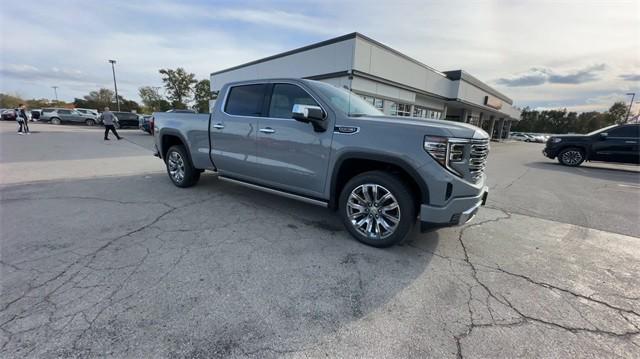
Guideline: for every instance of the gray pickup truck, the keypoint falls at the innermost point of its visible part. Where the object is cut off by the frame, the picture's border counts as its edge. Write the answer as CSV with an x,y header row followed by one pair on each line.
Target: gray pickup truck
x,y
314,142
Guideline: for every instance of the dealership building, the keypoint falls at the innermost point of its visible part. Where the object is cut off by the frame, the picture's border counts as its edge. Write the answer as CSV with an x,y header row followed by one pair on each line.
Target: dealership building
x,y
391,81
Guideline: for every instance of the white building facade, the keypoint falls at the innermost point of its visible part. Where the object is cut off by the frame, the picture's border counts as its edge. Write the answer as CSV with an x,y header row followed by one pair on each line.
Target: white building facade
x,y
391,81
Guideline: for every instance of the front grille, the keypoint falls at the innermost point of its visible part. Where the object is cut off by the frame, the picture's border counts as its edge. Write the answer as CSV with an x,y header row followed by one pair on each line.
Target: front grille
x,y
478,158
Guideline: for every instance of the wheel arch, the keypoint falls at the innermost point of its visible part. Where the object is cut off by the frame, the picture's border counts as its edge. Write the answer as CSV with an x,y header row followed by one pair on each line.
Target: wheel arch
x,y
351,164
170,138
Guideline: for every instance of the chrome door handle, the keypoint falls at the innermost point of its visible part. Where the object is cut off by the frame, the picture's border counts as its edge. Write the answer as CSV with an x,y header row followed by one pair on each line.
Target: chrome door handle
x,y
267,130
630,141
218,126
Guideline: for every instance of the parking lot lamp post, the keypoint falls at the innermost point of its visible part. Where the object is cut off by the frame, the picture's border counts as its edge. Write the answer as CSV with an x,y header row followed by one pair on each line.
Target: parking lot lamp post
x,y
55,91
113,69
633,96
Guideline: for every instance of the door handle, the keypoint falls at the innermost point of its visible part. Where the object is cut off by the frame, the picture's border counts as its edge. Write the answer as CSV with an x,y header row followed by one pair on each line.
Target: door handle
x,y
218,126
630,141
267,130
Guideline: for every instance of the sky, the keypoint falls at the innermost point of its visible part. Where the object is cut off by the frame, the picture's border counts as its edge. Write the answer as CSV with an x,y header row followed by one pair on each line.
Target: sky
x,y
580,55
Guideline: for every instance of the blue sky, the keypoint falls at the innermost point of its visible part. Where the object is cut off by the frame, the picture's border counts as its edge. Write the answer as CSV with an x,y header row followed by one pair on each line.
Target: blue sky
x,y
547,54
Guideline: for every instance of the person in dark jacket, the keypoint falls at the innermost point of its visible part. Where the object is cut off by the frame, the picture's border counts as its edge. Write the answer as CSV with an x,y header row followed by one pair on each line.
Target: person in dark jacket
x,y
108,119
23,120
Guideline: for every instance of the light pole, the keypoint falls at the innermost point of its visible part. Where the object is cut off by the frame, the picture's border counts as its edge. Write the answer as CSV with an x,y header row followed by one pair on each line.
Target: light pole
x,y
113,69
55,91
633,96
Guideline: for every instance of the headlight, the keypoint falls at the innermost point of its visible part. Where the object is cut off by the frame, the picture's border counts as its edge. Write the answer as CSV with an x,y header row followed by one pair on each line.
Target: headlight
x,y
556,140
446,150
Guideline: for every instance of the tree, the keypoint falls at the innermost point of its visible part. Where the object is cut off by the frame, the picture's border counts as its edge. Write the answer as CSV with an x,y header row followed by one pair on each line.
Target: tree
x,y
105,98
202,94
179,85
618,112
9,101
152,100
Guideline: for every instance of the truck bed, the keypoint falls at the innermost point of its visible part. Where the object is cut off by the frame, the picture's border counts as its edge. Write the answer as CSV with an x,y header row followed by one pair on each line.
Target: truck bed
x,y
192,129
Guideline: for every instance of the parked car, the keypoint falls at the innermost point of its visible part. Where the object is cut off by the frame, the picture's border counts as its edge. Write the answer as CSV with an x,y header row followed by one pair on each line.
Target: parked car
x,y
321,144
57,116
88,111
35,114
144,123
521,137
8,115
126,119
537,137
178,110
617,143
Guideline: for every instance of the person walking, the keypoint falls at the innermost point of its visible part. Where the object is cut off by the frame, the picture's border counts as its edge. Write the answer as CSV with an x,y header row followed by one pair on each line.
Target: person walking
x,y
23,119
108,119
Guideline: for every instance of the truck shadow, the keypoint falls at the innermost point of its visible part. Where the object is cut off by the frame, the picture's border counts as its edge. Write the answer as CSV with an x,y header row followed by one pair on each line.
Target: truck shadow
x,y
230,270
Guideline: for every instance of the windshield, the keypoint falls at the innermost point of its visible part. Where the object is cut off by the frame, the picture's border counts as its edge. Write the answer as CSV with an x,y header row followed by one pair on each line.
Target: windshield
x,y
601,129
347,102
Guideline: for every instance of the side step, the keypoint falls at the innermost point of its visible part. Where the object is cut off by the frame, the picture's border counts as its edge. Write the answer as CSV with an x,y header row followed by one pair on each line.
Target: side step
x,y
275,191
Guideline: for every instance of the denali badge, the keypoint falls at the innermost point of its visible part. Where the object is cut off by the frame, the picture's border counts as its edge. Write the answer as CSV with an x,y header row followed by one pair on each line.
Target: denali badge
x,y
345,129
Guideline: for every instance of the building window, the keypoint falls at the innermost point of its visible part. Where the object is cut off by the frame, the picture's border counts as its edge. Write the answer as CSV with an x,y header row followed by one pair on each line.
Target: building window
x,y
419,111
376,102
400,109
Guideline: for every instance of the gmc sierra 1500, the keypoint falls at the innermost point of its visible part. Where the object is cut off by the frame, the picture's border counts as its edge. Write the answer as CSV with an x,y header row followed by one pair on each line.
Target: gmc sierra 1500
x,y
314,142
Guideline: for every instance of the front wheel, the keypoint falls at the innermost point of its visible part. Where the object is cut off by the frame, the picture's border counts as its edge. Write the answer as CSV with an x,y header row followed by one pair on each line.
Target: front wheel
x,y
180,168
55,121
90,122
571,157
377,209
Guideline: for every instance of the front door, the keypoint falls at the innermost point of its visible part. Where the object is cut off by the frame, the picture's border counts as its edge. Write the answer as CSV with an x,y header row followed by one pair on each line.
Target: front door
x,y
233,131
291,155
621,144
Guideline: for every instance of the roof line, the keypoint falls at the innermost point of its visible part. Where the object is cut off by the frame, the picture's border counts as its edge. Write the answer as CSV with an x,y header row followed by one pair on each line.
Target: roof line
x,y
291,52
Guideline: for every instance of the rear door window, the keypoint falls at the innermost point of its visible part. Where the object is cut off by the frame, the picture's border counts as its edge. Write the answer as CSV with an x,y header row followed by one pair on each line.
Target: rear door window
x,y
631,131
64,112
246,100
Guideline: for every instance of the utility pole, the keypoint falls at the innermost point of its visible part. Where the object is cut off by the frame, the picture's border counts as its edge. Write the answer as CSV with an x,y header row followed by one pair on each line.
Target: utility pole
x,y
113,69
633,96
55,91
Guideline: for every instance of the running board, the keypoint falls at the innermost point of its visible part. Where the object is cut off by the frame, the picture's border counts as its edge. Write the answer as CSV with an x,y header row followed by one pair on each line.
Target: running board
x,y
275,191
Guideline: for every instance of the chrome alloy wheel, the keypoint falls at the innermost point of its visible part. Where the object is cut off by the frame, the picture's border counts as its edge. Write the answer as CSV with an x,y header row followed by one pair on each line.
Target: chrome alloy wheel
x,y
175,162
373,211
572,157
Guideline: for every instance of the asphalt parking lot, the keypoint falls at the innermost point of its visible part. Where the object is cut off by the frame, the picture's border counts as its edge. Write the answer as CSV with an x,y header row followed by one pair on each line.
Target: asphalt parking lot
x,y
101,256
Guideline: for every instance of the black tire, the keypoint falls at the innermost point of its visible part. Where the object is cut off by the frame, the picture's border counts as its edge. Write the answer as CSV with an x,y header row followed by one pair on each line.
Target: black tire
x,y
55,121
571,156
406,210
90,122
176,162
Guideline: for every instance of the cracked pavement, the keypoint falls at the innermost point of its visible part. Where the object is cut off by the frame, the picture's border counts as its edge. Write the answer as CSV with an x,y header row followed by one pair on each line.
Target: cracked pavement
x,y
117,262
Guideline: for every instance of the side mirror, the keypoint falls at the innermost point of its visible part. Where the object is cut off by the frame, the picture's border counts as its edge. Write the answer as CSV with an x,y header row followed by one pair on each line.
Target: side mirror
x,y
603,135
310,114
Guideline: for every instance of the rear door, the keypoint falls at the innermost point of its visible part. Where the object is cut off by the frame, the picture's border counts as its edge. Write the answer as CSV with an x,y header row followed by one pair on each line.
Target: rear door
x,y
233,131
65,115
291,155
621,144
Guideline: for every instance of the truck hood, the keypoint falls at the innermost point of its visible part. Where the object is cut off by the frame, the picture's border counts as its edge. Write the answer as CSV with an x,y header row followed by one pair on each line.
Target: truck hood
x,y
432,127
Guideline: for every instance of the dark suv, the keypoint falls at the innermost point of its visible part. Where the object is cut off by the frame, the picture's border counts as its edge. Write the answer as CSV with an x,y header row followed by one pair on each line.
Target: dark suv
x,y
616,143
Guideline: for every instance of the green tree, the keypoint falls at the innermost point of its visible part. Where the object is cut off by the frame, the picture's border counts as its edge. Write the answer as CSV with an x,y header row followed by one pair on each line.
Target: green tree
x,y
618,112
179,85
152,100
202,94
105,98
10,101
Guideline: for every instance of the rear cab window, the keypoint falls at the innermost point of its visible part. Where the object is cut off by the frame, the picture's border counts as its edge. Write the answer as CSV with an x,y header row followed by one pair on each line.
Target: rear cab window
x,y
246,100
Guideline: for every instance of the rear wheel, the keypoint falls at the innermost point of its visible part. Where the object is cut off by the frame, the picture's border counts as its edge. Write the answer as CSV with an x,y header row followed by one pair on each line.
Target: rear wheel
x,y
90,122
571,156
55,121
377,209
179,167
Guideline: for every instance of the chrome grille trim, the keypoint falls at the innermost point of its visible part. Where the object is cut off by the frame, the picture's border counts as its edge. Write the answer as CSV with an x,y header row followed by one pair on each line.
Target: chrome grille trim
x,y
479,151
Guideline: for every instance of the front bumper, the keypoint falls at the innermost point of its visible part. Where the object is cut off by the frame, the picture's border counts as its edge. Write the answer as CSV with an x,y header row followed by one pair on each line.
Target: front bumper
x,y
458,211
549,152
